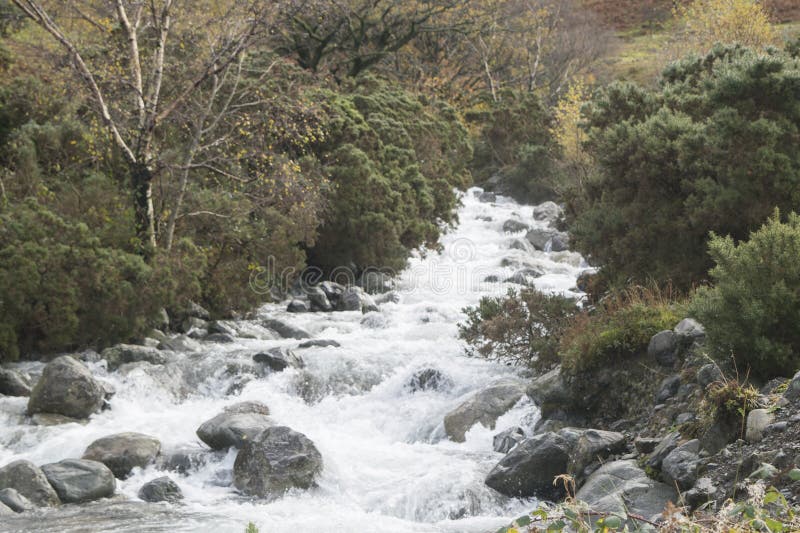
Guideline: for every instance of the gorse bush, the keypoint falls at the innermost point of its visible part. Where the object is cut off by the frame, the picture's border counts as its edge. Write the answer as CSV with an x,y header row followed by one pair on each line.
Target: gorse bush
x,y
714,148
753,309
619,327
522,328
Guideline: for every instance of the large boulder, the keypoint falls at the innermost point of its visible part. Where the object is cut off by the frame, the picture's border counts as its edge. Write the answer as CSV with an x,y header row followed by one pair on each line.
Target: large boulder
x,y
28,480
550,392
529,469
690,330
318,298
663,348
118,355
622,488
286,330
80,480
668,388
429,379
123,452
298,306
66,388
13,383
355,299
513,225
548,212
485,407
161,489
548,239
662,449
15,501
681,465
235,425
277,460
5,510
507,440
594,445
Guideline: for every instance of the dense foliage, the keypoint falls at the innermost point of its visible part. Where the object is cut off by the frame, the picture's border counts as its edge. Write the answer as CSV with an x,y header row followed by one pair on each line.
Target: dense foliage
x,y
753,309
712,149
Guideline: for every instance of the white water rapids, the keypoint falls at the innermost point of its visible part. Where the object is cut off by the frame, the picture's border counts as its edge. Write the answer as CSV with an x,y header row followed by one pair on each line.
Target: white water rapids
x,y
387,465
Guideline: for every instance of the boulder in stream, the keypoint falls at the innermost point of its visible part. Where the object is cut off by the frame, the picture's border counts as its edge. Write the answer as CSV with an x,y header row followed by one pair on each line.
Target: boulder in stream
x,y
485,407
279,359
235,425
161,489
13,383
286,330
15,501
276,460
120,354
28,480
66,388
80,480
123,452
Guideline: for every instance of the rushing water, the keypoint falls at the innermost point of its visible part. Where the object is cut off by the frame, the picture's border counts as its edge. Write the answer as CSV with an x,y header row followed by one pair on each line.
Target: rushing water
x,y
388,466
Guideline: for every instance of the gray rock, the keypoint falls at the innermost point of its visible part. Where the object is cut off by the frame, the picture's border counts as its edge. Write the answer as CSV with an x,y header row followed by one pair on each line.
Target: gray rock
x,y
123,452
389,297
547,212
298,306
505,441
277,460
374,282
13,383
523,245
118,355
220,338
15,501
684,418
668,388
66,388
5,510
355,299
80,480
318,298
757,422
529,469
525,277
223,326
319,343
703,492
181,343
550,393
191,324
485,407
286,330
193,310
681,465
373,320
765,471
185,460
721,432
664,447
559,243
513,225
621,487
645,445
332,290
161,489
279,359
793,390
542,239
708,374
663,348
29,481
594,445
690,329
487,197
429,379
235,426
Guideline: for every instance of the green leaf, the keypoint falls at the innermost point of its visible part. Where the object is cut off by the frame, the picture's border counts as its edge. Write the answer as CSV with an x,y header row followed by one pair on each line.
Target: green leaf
x,y
569,513
522,521
612,522
556,526
773,496
540,513
794,474
774,525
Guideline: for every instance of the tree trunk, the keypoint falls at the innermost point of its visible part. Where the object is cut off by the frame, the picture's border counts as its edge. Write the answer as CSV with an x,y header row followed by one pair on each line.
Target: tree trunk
x,y
142,181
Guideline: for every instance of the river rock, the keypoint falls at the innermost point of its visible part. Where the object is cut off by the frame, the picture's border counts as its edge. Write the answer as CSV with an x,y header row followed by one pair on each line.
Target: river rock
x,y
540,238
332,290
529,469
180,343
708,374
355,299
187,459
505,441
66,388
487,197
219,338
5,510
594,445
276,460
13,383
485,407
703,492
550,393
15,501
279,359
28,480
192,310
513,225
120,354
681,465
525,276
319,343
389,297
522,245
622,488
235,426
757,422
663,348
286,330
548,212
793,390
161,489
318,298
664,447
123,452
668,388
429,379
298,306
194,324
80,480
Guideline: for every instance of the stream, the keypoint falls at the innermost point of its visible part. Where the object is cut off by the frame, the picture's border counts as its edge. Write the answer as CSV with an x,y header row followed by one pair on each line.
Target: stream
x,y
388,466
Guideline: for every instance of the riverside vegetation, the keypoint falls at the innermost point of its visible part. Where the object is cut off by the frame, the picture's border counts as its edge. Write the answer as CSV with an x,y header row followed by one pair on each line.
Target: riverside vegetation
x,y
154,162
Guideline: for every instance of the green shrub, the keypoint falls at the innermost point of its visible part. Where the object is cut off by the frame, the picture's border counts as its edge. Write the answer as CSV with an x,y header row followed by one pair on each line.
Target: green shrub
x,y
619,327
522,328
62,289
753,309
714,148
